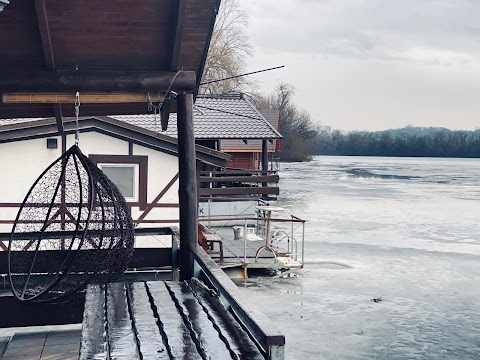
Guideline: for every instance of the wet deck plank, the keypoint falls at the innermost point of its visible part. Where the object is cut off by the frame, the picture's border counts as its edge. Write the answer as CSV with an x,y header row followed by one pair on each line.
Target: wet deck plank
x,y
238,340
122,343
206,336
178,337
148,334
47,345
3,344
94,322
164,320
26,346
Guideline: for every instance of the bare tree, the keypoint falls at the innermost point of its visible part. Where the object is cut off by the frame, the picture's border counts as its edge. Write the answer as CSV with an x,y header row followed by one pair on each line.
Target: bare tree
x,y
296,125
229,48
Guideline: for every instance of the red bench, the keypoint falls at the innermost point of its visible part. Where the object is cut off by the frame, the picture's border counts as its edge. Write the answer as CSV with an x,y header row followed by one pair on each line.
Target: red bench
x,y
207,240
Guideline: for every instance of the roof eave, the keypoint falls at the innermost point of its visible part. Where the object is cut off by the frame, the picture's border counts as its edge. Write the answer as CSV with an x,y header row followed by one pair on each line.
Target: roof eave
x,y
47,127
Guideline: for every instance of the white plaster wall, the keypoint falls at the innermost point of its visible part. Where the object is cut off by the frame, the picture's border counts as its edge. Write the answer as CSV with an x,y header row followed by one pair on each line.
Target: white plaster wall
x,y
161,170
97,143
23,161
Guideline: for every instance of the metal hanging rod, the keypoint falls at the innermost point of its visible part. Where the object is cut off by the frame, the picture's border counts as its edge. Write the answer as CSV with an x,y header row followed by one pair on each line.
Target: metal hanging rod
x,y
241,75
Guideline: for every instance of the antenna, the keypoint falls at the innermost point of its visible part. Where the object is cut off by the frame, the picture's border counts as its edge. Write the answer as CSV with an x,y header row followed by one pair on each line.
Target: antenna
x,y
241,75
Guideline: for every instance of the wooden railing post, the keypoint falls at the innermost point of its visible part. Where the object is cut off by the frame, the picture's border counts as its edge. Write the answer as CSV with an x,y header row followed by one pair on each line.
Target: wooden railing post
x,y
187,191
264,162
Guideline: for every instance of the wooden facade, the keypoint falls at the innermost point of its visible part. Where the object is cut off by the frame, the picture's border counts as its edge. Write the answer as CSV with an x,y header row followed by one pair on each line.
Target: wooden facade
x,y
250,153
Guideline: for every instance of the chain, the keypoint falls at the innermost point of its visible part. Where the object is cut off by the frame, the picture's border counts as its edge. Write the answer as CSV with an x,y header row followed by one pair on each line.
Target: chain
x,y
156,108
77,113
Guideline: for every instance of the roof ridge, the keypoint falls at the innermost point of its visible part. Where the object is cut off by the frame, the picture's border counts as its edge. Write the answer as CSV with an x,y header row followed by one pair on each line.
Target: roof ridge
x,y
232,95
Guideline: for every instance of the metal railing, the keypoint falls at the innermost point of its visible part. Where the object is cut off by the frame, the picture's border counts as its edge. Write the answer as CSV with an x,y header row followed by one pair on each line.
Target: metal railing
x,y
292,235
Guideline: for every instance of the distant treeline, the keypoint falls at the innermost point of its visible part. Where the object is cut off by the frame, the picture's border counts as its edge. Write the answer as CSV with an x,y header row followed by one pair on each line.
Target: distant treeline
x,y
433,143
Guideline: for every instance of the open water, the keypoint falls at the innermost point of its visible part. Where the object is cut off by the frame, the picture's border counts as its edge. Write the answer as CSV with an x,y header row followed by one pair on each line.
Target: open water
x,y
406,230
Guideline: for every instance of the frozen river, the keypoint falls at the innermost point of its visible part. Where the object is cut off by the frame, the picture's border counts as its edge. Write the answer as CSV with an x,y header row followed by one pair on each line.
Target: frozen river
x,y
406,230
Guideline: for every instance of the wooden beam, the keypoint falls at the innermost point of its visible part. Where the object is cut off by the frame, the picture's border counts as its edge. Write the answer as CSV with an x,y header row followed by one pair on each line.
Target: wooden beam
x,y
246,178
95,81
158,197
177,32
85,98
264,157
239,191
42,18
265,160
57,108
187,191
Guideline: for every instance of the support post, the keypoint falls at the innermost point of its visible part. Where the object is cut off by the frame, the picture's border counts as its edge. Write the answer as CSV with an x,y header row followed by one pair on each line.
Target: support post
x,y
264,161
187,191
57,109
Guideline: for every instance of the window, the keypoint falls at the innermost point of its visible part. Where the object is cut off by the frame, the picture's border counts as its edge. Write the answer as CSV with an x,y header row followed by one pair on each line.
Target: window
x,y
125,176
129,173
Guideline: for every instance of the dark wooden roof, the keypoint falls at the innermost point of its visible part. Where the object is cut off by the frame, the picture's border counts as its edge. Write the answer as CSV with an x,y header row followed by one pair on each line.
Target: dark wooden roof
x,y
131,37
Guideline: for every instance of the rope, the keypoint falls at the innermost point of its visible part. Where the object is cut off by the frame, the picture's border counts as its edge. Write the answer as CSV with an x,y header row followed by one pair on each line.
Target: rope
x,y
77,114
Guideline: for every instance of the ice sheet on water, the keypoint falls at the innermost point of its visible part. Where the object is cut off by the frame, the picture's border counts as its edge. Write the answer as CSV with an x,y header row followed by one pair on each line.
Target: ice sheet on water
x,y
411,235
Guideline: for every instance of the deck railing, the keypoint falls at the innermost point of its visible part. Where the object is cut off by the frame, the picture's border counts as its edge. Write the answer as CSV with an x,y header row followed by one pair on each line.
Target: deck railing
x,y
287,232
238,183
260,328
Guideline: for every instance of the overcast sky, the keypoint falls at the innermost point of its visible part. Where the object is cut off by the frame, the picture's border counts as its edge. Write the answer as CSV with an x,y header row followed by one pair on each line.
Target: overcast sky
x,y
372,64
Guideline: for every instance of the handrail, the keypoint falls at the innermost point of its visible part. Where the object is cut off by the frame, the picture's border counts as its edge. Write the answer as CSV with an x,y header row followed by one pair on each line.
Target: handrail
x,y
255,218
270,339
292,246
218,198
244,178
236,171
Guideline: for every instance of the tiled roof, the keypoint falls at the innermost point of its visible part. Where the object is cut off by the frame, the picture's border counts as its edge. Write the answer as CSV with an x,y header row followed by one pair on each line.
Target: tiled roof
x,y
221,117
272,116
215,117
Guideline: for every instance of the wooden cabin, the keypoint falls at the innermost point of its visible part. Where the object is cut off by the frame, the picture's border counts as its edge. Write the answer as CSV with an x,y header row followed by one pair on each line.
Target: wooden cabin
x,y
247,153
104,58
229,123
141,162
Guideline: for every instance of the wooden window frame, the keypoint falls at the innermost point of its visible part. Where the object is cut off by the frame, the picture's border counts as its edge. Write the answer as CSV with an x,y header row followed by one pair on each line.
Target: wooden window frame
x,y
141,161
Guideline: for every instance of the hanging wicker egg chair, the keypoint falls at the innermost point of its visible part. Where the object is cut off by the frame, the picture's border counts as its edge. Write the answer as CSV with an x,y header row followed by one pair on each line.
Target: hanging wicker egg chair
x,y
73,228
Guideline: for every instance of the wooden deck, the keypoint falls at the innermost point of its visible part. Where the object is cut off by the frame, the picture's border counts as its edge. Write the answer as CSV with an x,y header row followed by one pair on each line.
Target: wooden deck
x,y
236,252
160,320
47,345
